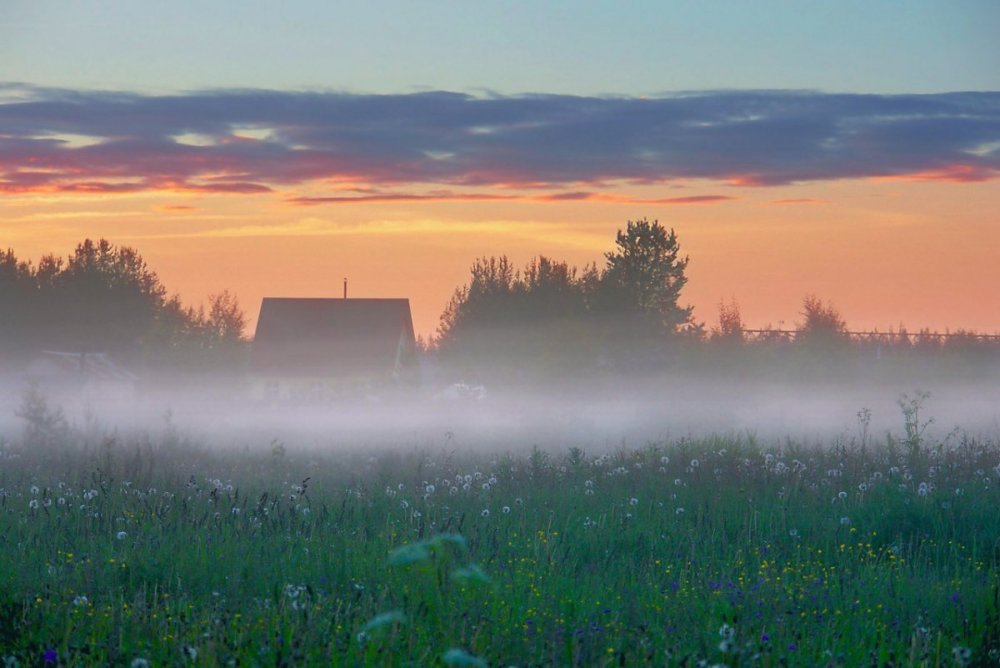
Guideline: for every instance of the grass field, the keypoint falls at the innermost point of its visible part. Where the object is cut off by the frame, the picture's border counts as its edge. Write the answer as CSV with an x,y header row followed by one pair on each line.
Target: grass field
x,y
136,551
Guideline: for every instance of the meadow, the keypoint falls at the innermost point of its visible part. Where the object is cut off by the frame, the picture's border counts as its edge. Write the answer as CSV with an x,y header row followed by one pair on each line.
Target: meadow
x,y
156,549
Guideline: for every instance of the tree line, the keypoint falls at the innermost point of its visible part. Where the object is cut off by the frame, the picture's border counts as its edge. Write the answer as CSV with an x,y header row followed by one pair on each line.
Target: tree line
x,y
105,298
628,315
545,318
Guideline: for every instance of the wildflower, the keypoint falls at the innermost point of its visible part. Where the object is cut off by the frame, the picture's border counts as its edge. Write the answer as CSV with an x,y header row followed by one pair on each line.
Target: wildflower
x,y
505,510
664,460
962,655
633,501
679,511
429,489
50,656
794,533
695,463
845,521
728,635
863,487
923,489
33,504
34,490
190,652
80,601
139,662
486,512
121,535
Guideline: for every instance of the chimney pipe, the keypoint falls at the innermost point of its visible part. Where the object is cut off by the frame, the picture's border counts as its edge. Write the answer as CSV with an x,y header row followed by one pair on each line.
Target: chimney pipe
x,y
345,287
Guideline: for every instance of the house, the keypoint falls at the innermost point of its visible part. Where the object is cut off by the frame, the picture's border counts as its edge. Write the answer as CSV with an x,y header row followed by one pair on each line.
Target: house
x,y
308,348
92,375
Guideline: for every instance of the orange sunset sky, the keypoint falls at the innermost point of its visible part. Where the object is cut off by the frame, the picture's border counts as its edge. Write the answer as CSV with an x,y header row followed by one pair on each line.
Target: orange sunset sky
x,y
276,155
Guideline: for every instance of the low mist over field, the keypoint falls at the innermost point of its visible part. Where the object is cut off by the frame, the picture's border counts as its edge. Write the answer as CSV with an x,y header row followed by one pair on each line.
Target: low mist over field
x,y
600,417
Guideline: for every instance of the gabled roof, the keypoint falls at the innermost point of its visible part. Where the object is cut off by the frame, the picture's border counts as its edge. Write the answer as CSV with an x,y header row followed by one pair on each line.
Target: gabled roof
x,y
322,338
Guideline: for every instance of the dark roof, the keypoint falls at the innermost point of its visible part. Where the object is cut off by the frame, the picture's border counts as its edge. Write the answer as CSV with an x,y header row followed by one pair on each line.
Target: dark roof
x,y
322,338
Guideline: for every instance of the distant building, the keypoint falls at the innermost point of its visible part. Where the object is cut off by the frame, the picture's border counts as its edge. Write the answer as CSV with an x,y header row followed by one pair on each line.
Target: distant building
x,y
93,375
316,348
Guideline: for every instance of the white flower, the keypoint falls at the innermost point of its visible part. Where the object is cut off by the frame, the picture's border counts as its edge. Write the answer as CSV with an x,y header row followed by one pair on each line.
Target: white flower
x,y
486,512
794,533
34,490
121,535
679,511
505,510
633,501
33,504
845,521
429,489
139,662
80,601
664,460
190,652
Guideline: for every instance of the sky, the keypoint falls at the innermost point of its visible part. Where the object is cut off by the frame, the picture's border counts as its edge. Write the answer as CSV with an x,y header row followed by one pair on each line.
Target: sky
x,y
849,150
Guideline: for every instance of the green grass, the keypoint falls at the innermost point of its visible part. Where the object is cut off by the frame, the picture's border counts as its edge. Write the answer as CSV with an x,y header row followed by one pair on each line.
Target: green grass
x,y
719,550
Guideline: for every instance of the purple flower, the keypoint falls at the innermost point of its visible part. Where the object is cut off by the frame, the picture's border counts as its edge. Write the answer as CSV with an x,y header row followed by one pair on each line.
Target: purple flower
x,y
792,647
50,656
764,637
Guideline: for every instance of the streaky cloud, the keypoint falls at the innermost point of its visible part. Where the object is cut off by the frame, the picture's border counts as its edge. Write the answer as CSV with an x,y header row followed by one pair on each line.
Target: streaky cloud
x,y
254,141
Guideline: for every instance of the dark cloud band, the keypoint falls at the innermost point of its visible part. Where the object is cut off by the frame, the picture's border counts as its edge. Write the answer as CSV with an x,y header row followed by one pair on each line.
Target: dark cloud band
x,y
247,141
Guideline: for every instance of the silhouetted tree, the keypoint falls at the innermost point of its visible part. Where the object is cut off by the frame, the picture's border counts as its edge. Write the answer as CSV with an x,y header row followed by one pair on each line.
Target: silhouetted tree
x,y
730,328
644,276
226,320
821,324
109,298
